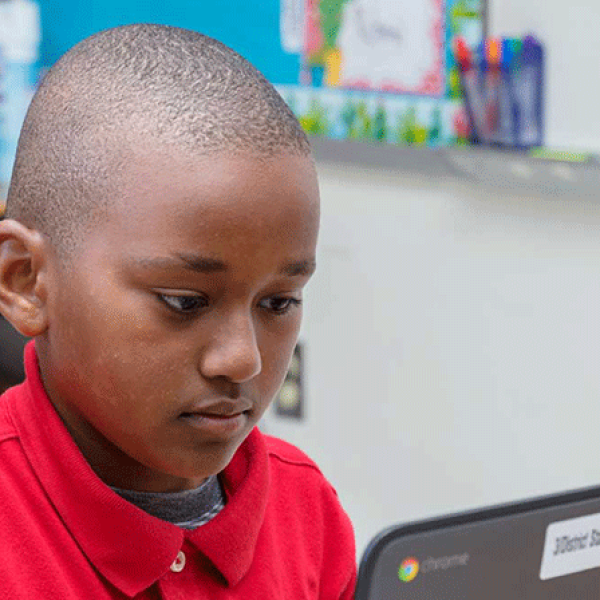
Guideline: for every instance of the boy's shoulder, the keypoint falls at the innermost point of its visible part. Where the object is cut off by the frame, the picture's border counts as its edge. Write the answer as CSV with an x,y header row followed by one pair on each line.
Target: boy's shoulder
x,y
294,473
309,509
287,453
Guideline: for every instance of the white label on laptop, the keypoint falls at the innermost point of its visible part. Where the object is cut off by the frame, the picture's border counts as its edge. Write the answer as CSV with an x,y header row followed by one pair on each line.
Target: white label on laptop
x,y
571,547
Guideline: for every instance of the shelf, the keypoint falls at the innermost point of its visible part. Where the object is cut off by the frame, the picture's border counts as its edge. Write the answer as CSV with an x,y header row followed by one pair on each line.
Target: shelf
x,y
507,170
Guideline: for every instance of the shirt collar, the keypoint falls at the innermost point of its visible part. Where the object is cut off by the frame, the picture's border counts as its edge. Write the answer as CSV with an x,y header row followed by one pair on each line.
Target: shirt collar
x,y
229,540
129,547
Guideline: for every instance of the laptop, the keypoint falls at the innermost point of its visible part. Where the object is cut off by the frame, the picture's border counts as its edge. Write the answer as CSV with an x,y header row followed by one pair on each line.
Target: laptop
x,y
542,549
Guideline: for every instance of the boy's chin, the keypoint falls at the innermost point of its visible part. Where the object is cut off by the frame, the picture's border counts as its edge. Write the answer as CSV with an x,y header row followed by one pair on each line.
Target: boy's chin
x,y
213,461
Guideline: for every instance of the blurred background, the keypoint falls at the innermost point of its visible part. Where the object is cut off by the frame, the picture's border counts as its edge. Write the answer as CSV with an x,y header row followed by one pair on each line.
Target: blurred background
x,y
450,350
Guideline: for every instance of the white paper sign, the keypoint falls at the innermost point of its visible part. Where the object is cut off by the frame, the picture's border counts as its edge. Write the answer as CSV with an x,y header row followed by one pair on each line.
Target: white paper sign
x,y
571,547
387,44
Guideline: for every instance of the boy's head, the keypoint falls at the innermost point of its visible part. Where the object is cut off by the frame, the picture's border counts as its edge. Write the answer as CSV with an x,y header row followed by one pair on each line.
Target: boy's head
x,y
161,224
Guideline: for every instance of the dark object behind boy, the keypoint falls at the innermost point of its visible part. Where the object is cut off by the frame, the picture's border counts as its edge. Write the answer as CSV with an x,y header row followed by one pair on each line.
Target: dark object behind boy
x,y
11,355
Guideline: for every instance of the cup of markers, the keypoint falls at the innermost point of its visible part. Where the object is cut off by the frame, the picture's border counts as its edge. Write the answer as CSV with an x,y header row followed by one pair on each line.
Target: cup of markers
x,y
503,81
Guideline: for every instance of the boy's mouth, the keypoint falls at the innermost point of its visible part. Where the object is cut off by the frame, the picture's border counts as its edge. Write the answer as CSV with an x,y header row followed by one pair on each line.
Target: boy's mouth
x,y
220,409
222,418
211,415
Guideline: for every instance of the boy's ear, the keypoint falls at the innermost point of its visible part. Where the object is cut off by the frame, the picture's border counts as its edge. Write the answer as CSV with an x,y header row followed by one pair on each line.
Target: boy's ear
x,y
23,272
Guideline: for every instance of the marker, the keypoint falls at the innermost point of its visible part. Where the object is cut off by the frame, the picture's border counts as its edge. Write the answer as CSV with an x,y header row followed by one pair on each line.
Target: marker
x,y
492,53
508,124
473,99
529,90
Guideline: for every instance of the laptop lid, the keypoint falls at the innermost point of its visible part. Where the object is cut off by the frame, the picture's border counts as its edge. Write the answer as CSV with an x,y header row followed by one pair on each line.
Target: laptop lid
x,y
542,549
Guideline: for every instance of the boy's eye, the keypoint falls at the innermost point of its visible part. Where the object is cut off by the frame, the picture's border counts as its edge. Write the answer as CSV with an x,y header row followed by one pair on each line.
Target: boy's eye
x,y
183,304
280,304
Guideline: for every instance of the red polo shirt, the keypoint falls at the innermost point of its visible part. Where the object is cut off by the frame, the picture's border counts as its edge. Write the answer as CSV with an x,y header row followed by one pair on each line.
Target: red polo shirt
x,y
65,535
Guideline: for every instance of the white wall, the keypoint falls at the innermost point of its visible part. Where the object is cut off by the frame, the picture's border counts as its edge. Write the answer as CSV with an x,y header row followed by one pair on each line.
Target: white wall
x,y
452,346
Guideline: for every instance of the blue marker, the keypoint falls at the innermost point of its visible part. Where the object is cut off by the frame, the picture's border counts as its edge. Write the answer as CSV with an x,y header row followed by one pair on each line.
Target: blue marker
x,y
508,123
529,91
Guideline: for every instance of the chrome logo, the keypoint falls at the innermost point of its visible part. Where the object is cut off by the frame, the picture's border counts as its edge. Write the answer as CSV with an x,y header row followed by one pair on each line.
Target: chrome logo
x,y
408,569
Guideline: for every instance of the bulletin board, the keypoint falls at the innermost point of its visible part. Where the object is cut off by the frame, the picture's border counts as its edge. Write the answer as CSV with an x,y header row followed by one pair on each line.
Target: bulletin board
x,y
379,70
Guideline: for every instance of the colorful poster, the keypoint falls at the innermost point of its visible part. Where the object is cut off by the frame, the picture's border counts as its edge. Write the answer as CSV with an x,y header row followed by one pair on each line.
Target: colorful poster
x,y
379,45
379,70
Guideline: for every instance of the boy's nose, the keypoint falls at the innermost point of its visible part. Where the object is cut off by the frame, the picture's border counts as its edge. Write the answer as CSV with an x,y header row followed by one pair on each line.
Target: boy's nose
x,y
233,352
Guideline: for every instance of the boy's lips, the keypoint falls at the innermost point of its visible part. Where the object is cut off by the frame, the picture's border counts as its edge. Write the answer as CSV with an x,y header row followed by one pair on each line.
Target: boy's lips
x,y
222,408
218,420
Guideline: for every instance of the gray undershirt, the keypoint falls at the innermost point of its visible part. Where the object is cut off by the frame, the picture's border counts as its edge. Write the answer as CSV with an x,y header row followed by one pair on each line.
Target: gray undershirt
x,y
188,509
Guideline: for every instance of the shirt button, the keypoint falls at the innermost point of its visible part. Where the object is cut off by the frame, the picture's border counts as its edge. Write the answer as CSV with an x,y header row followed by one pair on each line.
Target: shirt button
x,y
178,563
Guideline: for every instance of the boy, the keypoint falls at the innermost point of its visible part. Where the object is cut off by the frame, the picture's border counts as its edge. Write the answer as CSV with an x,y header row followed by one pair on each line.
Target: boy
x,y
161,223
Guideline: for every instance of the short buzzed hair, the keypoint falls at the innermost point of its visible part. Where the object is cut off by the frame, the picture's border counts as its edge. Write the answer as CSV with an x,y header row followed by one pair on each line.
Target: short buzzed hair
x,y
149,84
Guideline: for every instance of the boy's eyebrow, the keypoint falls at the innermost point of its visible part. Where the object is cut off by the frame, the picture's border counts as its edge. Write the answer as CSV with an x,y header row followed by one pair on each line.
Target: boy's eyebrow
x,y
204,264
200,264
301,268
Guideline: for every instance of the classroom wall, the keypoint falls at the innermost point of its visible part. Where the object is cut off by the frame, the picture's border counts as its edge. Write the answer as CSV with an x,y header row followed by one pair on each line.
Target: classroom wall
x,y
452,344
452,333
569,30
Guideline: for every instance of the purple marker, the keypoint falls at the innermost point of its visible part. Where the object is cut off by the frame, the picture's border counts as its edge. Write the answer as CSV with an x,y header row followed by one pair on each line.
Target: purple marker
x,y
529,93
